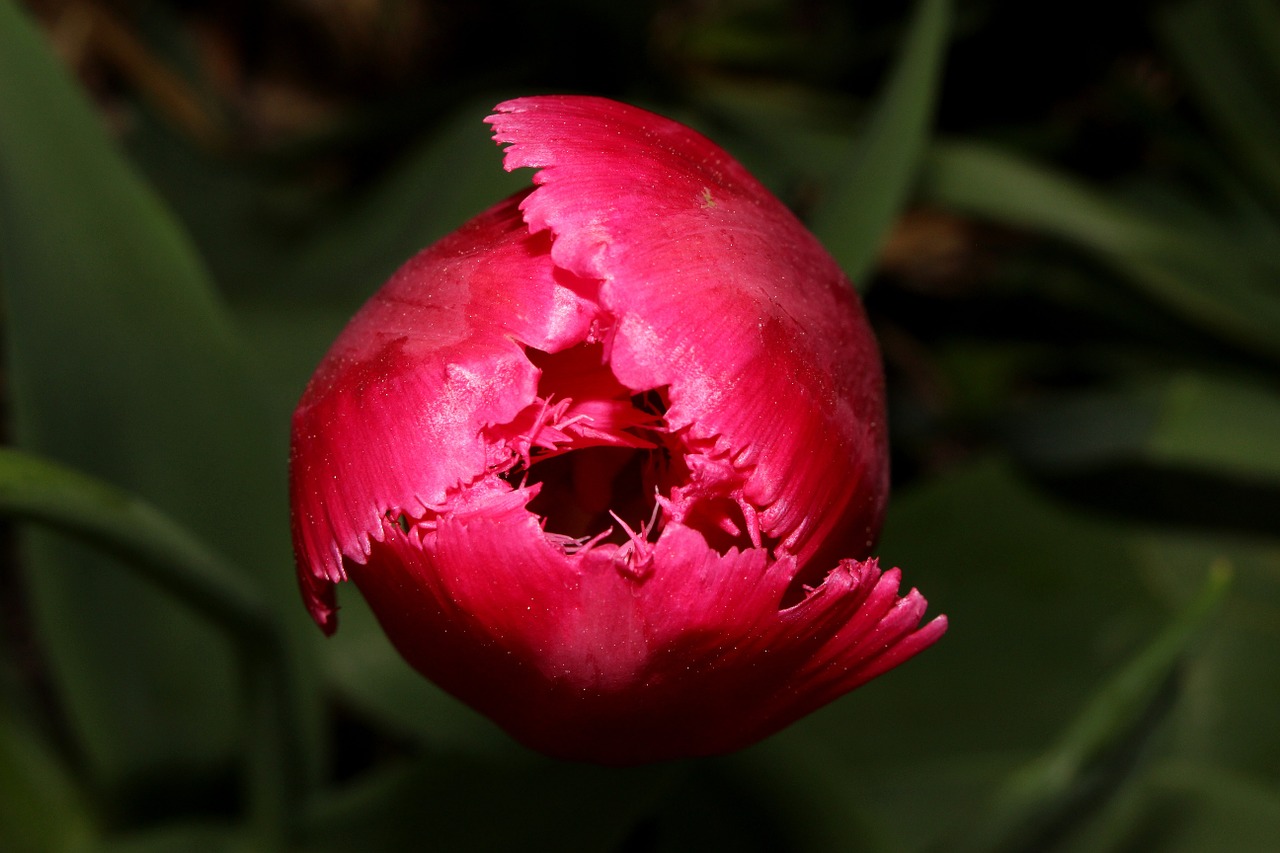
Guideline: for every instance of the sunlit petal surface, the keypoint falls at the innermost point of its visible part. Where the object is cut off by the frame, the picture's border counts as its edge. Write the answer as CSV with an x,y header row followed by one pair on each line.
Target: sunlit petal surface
x,y
609,461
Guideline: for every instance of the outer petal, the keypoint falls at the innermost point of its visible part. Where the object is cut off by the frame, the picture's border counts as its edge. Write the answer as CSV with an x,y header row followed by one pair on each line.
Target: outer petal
x,y
581,661
392,419
722,295
708,296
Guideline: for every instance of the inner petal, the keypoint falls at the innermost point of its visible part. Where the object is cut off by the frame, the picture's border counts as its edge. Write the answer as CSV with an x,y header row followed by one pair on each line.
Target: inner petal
x,y
607,466
583,490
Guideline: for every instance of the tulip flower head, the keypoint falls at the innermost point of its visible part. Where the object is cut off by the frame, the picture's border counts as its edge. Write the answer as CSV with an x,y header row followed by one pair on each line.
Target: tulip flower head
x,y
608,461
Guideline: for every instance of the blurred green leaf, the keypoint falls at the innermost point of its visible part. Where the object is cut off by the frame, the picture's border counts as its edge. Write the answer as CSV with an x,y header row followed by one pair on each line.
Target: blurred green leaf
x,y
1194,808
124,365
1040,600
271,230
1229,426
41,807
1206,277
155,548
1197,450
1042,800
767,38
784,134
451,176
294,280
180,838
1176,806
1229,53
863,200
1227,716
1216,424
462,803
1030,629
35,490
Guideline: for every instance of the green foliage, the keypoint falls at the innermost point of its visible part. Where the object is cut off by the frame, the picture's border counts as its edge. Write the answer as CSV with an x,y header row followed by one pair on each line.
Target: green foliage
x,y
123,363
41,807
870,189
1086,422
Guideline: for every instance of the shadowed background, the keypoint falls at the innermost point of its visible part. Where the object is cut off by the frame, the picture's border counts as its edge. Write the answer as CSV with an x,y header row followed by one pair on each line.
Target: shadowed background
x,y
1064,219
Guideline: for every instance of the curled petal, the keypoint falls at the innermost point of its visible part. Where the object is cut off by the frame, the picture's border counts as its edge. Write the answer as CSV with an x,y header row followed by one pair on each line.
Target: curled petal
x,y
391,422
696,659
785,363
592,458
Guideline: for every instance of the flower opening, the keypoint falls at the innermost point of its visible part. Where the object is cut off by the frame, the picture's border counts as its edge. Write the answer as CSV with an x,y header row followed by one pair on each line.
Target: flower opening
x,y
608,461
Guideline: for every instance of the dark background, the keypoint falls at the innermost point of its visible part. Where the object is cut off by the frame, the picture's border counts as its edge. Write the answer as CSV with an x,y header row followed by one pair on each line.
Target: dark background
x,y
1074,275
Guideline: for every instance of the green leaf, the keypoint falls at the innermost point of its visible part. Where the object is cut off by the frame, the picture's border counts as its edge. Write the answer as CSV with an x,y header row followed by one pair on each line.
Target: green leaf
x,y
1197,422
1228,52
1203,808
1204,276
1024,642
269,232
1044,798
1040,599
1227,715
123,364
465,803
181,838
863,201
451,176
41,808
32,489
783,133
1183,807
158,550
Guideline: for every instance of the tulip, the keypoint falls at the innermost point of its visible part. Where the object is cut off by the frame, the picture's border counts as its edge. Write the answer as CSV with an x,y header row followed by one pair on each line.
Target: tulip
x,y
607,462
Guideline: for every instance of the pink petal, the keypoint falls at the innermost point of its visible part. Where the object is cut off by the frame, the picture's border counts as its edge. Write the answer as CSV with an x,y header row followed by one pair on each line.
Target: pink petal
x,y
491,383
582,661
720,294
392,420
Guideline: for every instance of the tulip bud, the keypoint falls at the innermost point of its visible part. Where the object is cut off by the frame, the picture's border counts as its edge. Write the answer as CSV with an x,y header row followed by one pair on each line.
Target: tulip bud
x,y
608,461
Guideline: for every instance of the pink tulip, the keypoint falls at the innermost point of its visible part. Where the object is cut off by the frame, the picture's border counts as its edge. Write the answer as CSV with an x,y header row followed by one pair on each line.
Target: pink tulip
x,y
608,460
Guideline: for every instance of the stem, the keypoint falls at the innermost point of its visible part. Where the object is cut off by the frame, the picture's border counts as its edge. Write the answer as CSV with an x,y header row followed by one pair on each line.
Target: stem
x,y
159,549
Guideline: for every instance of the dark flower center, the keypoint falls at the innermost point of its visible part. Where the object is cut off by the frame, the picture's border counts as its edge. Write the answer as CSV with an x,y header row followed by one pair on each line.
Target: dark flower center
x,y
608,467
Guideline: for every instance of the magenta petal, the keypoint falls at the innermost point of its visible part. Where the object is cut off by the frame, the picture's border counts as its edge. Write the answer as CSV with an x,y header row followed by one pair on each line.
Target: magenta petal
x,y
581,661
428,362
670,224
592,457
